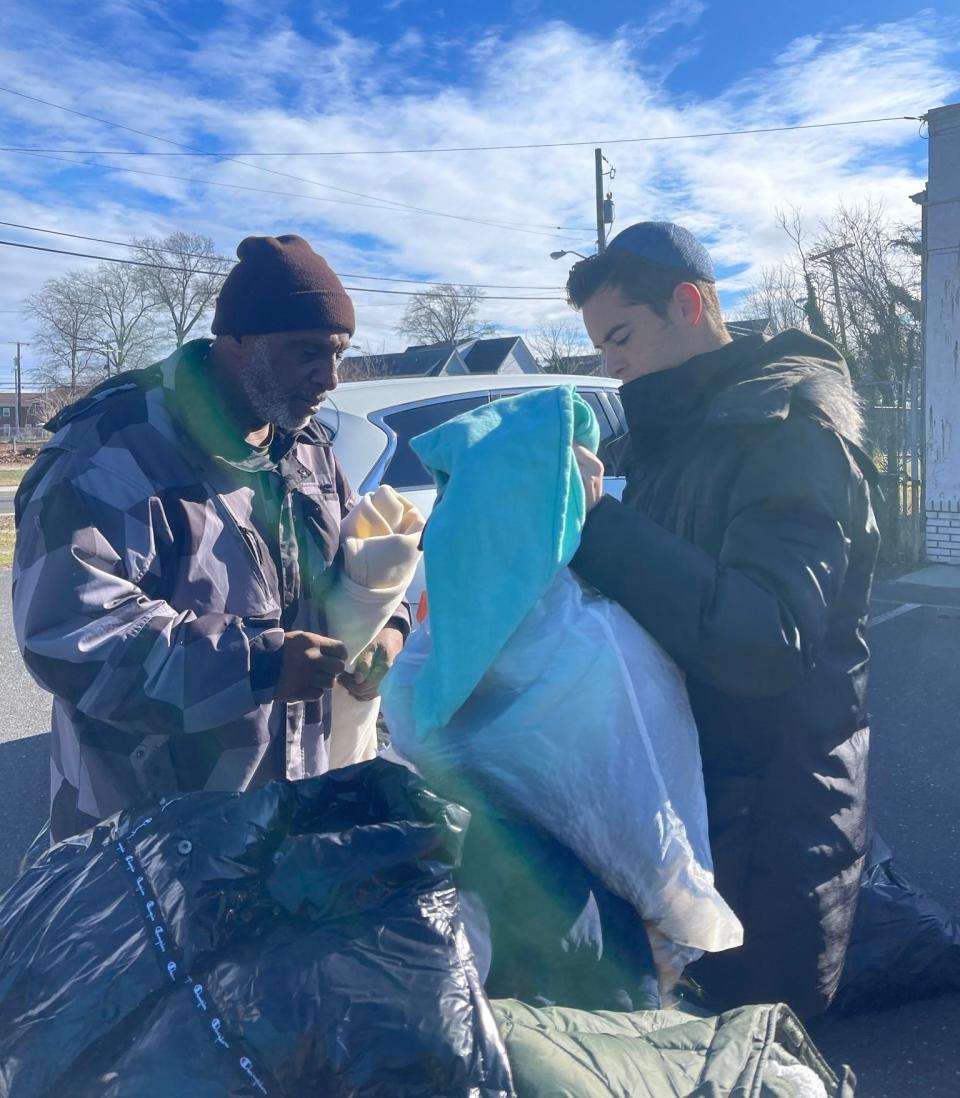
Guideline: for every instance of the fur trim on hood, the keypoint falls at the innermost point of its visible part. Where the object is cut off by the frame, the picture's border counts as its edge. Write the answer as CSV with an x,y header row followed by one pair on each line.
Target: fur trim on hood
x,y
792,368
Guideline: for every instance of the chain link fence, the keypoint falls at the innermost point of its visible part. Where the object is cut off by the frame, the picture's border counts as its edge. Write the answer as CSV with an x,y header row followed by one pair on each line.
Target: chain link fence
x,y
894,440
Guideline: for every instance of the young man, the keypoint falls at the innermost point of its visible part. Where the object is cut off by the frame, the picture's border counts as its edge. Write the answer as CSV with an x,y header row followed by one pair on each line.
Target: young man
x,y
745,544
176,538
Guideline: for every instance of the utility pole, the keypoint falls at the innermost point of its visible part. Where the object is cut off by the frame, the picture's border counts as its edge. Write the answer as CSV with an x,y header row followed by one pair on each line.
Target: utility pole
x,y
604,205
19,412
601,228
830,258
18,382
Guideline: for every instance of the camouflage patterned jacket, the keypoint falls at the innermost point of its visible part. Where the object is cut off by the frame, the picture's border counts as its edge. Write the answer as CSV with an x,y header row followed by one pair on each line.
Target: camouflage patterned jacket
x,y
158,563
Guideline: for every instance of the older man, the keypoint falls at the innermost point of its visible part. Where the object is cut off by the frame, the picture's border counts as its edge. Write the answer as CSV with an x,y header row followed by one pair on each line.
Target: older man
x,y
176,539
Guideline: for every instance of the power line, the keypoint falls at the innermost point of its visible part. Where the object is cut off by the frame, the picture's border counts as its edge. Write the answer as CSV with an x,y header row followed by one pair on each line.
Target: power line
x,y
199,255
270,171
220,274
289,194
186,151
211,182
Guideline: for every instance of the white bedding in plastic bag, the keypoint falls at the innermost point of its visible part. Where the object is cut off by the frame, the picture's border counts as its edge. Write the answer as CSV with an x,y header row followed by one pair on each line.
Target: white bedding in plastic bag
x,y
583,727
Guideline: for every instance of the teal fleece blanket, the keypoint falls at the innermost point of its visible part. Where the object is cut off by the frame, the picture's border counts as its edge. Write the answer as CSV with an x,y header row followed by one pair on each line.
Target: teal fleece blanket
x,y
509,513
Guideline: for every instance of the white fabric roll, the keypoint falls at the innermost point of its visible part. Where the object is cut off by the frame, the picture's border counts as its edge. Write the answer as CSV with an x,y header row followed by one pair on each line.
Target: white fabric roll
x,y
380,541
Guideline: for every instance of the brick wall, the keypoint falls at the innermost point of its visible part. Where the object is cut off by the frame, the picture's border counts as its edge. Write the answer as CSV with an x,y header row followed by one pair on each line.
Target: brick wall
x,y
943,532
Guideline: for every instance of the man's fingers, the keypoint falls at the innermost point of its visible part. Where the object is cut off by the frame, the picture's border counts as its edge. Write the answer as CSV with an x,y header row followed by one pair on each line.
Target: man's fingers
x,y
364,666
366,692
590,464
324,668
363,689
591,473
334,649
364,683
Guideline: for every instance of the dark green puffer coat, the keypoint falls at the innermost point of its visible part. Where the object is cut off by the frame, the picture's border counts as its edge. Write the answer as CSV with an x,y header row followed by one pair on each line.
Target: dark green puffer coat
x,y
752,1052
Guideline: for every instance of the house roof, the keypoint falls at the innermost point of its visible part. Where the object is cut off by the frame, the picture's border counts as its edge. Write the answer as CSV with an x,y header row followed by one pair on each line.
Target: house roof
x,y
486,356
481,356
759,326
413,362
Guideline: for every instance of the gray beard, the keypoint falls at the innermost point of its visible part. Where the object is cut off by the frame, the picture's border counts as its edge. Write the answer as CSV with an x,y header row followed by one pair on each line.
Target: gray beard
x,y
263,392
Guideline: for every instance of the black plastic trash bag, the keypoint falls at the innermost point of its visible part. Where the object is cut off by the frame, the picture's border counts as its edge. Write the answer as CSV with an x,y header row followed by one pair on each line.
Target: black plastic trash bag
x,y
904,945
302,939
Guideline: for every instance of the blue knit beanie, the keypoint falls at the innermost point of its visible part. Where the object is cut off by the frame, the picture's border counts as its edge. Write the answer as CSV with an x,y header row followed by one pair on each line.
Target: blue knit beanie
x,y
666,245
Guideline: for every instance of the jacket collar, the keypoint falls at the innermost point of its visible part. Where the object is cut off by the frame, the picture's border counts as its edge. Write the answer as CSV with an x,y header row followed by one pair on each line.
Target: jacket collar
x,y
658,403
750,381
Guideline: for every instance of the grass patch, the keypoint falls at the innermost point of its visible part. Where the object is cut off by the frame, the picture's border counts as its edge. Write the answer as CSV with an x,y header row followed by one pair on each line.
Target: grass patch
x,y
11,476
8,536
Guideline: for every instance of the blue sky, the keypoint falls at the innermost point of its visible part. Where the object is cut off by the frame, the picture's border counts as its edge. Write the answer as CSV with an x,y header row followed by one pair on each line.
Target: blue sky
x,y
336,76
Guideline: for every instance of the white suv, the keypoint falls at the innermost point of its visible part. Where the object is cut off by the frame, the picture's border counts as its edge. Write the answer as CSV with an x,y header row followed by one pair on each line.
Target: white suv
x,y
372,423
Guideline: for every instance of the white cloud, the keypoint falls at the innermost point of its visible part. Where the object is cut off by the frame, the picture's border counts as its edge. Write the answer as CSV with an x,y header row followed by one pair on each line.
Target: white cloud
x,y
672,14
262,84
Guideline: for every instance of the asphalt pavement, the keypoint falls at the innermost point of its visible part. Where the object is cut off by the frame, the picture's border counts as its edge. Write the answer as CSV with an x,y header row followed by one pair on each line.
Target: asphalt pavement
x,y
915,773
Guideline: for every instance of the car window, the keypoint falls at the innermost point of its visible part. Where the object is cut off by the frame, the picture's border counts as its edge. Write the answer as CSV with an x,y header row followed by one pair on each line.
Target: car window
x,y
614,450
405,470
607,428
611,397
600,411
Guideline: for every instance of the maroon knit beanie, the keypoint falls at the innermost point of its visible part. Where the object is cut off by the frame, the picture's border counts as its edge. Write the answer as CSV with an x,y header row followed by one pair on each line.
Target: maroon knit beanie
x,y
281,285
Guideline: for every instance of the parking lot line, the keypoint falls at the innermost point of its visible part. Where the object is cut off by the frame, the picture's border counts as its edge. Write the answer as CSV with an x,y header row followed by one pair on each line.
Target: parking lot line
x,y
888,615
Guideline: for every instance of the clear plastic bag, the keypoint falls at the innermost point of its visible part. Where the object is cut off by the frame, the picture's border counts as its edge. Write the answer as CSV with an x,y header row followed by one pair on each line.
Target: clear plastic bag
x,y
582,726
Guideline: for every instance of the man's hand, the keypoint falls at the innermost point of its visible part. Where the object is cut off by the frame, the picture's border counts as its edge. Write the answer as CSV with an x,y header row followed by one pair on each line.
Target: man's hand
x,y
372,664
591,473
310,664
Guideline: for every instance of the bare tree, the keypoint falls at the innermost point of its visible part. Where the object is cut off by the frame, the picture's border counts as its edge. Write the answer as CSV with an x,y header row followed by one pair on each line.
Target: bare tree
x,y
878,275
561,347
125,316
792,225
66,336
813,277
445,314
369,365
777,298
184,277
55,398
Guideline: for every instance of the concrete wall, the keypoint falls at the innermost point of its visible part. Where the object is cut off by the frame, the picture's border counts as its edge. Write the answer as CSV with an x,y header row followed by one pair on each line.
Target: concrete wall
x,y
942,337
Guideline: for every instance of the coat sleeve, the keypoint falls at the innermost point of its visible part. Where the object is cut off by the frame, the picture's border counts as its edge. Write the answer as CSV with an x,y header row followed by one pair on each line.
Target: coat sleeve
x,y
91,633
749,620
